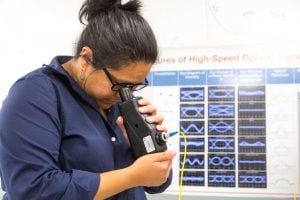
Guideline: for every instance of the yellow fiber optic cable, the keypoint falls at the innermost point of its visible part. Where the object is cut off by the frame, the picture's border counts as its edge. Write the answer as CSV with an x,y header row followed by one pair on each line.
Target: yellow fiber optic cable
x,y
182,166
296,189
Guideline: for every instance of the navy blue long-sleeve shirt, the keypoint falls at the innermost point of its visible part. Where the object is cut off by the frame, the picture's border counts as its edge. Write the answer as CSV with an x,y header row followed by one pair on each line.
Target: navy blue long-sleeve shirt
x,y
54,142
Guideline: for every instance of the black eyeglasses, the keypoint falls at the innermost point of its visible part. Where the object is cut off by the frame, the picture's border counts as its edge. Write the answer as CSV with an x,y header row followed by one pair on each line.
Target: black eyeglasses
x,y
118,86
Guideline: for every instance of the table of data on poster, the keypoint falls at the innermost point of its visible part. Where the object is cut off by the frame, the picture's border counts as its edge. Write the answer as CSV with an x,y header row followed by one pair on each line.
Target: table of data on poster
x,y
241,127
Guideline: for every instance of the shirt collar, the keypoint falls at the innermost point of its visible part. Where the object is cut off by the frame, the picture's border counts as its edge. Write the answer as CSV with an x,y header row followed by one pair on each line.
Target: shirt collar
x,y
56,66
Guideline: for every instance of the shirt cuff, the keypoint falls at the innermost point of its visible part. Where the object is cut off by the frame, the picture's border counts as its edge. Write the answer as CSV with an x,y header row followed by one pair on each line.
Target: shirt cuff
x,y
86,183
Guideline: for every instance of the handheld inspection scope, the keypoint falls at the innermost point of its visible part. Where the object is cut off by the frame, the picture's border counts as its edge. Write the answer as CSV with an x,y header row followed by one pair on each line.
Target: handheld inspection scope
x,y
143,136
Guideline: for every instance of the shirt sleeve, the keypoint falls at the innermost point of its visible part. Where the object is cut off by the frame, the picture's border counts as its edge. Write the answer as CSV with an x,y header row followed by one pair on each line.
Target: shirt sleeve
x,y
29,146
162,188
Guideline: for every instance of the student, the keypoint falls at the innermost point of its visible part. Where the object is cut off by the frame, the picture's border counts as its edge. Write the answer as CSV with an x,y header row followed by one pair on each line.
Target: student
x,y
61,133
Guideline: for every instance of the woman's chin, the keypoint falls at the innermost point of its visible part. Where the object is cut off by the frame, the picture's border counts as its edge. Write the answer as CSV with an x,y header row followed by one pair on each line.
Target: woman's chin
x,y
107,105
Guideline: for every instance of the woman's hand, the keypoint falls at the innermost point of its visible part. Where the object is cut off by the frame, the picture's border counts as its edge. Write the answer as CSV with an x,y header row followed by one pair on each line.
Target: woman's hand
x,y
154,118
148,170
152,169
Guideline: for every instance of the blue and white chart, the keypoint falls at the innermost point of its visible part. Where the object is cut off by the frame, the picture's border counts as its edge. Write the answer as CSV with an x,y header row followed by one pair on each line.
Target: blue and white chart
x,y
239,109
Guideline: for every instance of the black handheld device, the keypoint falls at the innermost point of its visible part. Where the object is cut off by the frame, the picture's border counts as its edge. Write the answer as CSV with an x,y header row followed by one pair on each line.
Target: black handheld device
x,y
143,136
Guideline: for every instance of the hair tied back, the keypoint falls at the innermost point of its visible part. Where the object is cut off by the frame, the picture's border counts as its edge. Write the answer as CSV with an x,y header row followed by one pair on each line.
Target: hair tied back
x,y
91,8
124,2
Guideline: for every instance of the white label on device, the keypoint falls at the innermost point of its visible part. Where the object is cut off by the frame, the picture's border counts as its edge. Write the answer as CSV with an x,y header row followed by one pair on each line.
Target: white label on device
x,y
149,144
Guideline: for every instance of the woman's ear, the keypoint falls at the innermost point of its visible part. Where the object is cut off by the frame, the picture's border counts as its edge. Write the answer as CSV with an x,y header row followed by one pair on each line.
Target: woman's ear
x,y
87,57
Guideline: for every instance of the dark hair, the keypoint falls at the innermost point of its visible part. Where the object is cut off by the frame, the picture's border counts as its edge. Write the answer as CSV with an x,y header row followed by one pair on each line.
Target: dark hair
x,y
116,33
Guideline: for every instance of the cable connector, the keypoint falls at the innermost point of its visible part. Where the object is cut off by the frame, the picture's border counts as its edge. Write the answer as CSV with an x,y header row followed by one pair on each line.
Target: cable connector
x,y
163,137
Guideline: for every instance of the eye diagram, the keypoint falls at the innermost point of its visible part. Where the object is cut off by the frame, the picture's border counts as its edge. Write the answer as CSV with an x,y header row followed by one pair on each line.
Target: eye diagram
x,y
221,127
221,94
192,111
221,110
251,180
221,179
216,161
221,144
192,94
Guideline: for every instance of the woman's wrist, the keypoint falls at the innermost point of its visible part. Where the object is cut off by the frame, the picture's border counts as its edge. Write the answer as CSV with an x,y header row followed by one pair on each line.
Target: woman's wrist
x,y
131,175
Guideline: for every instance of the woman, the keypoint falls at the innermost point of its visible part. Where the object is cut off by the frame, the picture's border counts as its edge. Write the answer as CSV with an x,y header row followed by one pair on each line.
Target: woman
x,y
61,133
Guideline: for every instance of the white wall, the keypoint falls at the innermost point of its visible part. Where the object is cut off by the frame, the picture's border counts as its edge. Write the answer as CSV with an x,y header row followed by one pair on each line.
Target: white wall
x,y
34,31
206,22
